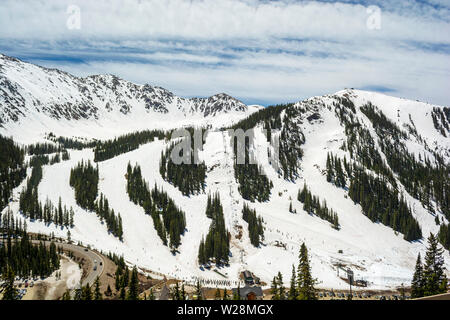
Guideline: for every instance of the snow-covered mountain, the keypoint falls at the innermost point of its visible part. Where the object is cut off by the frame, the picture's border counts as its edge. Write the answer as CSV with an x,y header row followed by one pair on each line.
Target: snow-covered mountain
x,y
41,99
362,127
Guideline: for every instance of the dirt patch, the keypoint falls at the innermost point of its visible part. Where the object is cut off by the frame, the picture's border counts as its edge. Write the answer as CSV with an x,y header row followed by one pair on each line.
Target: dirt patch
x,y
38,292
52,288
84,264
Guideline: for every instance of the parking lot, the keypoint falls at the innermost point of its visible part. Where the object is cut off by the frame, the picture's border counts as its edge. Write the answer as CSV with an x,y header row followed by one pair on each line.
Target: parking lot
x,y
345,295
22,285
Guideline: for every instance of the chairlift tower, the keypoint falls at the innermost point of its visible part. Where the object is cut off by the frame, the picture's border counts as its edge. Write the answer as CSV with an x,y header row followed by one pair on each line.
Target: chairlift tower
x,y
350,280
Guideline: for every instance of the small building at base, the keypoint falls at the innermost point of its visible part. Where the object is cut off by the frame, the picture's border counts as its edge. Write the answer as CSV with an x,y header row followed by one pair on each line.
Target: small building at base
x,y
250,293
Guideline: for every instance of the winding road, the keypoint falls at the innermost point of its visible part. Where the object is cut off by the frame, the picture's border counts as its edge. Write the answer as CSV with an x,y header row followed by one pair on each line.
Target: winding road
x,y
95,259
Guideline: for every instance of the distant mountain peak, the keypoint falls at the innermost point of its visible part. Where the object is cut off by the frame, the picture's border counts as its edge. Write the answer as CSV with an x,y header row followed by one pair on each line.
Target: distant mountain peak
x,y
27,89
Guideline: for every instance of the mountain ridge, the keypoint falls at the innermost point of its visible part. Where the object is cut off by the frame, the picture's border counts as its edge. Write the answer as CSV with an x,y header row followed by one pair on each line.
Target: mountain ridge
x,y
30,92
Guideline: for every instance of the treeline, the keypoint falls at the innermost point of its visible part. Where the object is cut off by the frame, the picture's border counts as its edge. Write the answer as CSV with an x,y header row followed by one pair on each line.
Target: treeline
x,y
269,115
104,212
188,178
382,204
361,145
58,145
109,149
26,259
49,213
86,293
429,277
69,143
379,202
347,103
311,204
43,148
290,141
216,246
156,203
31,207
124,279
12,169
42,160
255,225
424,181
84,179
253,183
11,227
335,172
441,120
39,160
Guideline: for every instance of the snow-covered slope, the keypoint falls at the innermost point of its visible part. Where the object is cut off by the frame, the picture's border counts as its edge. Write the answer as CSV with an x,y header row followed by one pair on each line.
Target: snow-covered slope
x,y
36,100
374,251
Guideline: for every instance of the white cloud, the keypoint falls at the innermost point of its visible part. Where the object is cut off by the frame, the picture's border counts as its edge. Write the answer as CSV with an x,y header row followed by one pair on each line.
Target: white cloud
x,y
218,19
256,50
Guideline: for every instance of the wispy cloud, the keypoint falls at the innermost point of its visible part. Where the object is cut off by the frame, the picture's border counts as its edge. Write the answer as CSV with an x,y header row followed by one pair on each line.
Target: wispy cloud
x,y
259,51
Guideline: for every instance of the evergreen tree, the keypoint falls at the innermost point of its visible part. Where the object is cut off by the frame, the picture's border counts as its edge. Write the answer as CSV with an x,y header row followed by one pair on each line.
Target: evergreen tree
x,y
417,285
152,295
108,291
122,294
198,291
118,282
86,293
274,289
281,288
225,294
183,293
97,293
9,292
292,289
176,295
237,293
66,295
444,235
217,295
126,277
435,280
78,295
305,281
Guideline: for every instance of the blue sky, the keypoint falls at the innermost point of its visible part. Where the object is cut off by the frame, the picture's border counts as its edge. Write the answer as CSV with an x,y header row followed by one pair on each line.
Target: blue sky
x,y
263,52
